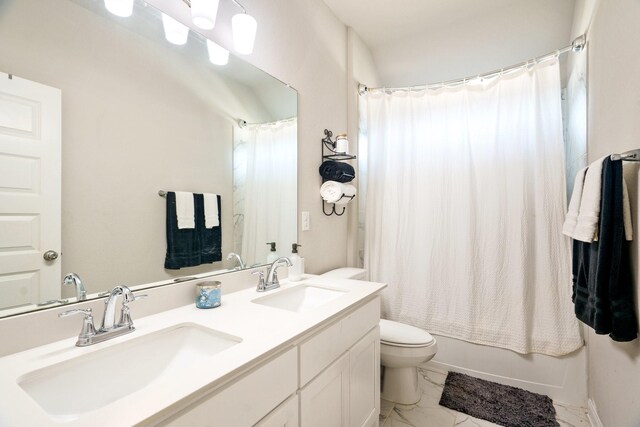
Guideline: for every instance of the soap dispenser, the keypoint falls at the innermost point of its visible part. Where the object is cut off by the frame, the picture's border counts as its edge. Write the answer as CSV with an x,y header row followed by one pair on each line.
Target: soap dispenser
x,y
273,255
297,264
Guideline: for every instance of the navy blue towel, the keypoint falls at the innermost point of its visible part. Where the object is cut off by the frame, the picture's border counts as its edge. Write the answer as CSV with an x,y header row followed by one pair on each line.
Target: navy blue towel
x,y
337,171
195,246
602,282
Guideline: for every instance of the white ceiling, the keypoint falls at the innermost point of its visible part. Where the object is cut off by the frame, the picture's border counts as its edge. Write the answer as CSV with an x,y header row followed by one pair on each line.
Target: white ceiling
x,y
424,41
384,21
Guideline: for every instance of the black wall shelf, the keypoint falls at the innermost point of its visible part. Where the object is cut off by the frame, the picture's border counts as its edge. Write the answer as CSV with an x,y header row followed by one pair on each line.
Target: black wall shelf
x,y
329,153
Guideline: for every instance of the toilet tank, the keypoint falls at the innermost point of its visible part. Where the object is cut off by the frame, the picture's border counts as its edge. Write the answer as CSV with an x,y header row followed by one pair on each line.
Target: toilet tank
x,y
347,273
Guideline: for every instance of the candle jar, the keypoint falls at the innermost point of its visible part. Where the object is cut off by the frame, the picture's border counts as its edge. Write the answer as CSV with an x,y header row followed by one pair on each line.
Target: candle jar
x,y
342,144
208,294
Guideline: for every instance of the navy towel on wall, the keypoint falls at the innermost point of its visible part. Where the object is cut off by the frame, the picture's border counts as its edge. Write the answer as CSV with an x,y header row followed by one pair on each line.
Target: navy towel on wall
x,y
602,282
191,247
337,171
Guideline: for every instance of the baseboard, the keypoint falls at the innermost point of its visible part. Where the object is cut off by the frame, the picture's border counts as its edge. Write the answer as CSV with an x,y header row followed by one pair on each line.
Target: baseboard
x,y
592,413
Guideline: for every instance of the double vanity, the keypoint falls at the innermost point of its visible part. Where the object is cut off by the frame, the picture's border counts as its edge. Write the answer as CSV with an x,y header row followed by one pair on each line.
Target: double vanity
x,y
305,354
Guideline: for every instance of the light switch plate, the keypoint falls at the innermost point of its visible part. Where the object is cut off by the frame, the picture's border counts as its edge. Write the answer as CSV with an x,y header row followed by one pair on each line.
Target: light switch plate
x,y
306,221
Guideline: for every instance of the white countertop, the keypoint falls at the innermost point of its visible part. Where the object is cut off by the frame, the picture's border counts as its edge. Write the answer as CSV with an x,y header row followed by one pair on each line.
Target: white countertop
x,y
264,331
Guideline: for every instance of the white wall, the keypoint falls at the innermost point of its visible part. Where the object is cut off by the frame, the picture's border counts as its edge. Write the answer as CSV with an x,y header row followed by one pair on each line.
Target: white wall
x,y
494,39
361,69
303,44
614,109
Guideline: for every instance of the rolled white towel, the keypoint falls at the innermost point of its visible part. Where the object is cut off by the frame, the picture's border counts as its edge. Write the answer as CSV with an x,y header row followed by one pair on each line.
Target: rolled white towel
x,y
332,192
211,210
185,212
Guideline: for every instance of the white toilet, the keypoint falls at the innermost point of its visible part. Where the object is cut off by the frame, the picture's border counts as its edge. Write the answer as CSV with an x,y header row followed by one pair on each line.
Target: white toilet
x,y
402,349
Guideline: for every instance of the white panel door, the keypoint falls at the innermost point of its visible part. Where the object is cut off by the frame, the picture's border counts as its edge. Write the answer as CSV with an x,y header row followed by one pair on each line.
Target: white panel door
x,y
30,169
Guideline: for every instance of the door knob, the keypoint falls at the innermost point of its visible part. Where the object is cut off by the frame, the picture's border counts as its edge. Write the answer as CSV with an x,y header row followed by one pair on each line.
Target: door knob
x,y
50,255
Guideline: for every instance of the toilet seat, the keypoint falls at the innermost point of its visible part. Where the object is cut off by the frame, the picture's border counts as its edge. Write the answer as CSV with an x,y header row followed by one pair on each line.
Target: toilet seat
x,y
401,335
393,344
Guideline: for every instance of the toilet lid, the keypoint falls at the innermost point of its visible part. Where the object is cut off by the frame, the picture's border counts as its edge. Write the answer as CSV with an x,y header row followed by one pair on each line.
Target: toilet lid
x,y
402,334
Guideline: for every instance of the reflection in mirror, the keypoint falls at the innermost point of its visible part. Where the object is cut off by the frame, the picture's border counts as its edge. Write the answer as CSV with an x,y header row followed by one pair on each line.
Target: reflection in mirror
x,y
264,209
99,113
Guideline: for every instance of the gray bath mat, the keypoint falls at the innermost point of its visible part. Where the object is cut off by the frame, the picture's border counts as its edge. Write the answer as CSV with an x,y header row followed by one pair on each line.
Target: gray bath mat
x,y
500,404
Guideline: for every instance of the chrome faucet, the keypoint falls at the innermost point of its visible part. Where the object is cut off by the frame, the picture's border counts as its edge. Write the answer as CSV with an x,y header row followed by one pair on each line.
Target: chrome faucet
x,y
239,260
272,275
109,318
74,279
272,281
109,329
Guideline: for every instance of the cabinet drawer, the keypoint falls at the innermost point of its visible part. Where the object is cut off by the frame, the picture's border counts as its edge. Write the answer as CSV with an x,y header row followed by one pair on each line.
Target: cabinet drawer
x,y
322,349
245,401
358,323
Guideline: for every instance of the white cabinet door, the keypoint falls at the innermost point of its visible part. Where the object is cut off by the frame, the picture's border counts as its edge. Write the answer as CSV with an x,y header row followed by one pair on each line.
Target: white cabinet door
x,y
30,135
364,380
325,400
285,415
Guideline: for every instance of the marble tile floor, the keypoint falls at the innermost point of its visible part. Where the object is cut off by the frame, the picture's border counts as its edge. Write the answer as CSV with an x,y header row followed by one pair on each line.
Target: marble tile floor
x,y
428,413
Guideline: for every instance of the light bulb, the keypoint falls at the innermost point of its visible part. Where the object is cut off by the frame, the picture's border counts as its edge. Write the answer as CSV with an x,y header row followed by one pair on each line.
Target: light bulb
x,y
244,29
203,13
217,54
174,31
122,8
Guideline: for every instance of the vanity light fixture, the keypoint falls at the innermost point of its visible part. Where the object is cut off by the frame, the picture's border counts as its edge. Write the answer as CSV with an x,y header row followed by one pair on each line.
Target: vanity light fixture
x,y
175,32
217,54
243,25
203,13
244,29
122,8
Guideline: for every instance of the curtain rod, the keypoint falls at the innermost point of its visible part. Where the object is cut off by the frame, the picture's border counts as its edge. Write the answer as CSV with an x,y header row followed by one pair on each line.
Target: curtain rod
x,y
188,3
243,123
576,46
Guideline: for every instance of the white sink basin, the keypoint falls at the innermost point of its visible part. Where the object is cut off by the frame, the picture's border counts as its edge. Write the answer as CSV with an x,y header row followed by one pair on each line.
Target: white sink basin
x,y
300,298
69,389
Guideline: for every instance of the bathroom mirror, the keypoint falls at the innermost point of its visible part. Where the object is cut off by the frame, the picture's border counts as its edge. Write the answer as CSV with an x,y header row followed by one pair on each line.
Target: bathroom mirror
x,y
138,115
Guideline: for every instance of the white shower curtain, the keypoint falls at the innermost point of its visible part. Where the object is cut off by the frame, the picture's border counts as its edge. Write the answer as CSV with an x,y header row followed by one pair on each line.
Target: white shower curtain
x,y
269,203
464,209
